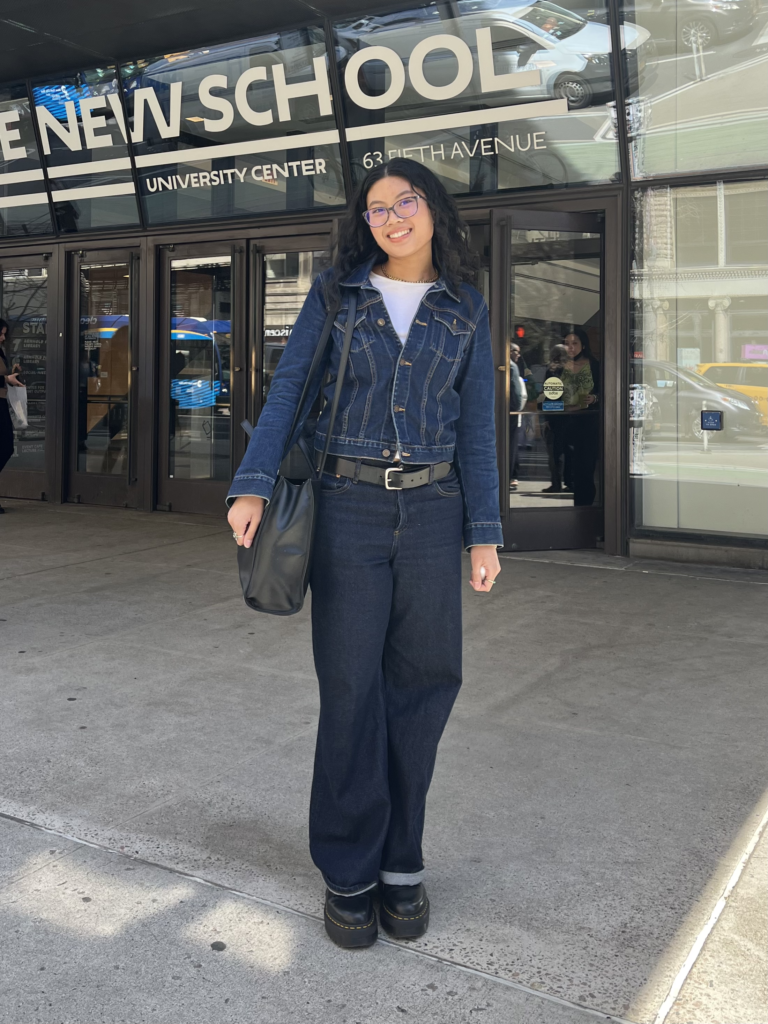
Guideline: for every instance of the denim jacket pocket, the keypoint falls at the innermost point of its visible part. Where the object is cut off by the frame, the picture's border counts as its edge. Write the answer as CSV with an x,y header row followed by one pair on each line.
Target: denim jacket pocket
x,y
360,339
449,335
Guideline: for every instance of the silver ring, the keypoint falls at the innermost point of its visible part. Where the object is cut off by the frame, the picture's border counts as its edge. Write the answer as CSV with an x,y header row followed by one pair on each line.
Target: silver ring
x,y
238,536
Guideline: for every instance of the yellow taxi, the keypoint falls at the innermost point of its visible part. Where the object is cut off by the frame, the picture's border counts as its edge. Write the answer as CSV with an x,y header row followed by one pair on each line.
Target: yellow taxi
x,y
749,378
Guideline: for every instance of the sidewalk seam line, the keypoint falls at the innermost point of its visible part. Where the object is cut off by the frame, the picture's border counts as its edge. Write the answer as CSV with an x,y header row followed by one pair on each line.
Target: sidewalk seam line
x,y
632,568
693,955
505,982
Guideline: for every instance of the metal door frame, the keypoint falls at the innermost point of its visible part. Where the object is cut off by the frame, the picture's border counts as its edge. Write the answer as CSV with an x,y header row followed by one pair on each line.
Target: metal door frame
x,y
98,488
201,496
21,483
564,215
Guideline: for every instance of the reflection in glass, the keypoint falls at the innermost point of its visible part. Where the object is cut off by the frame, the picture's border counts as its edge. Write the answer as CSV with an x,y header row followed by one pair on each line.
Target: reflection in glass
x,y
555,352
521,97
23,199
24,304
288,278
699,102
200,368
700,345
237,129
85,147
104,356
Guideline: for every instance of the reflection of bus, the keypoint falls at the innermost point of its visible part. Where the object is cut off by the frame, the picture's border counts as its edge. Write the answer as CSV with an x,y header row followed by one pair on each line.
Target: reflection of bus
x,y
200,371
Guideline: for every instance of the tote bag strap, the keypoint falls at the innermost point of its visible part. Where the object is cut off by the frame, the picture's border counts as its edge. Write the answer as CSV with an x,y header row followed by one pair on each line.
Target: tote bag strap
x,y
348,332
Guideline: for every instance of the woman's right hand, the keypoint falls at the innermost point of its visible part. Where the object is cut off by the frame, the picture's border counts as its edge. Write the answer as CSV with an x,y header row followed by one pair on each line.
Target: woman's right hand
x,y
244,518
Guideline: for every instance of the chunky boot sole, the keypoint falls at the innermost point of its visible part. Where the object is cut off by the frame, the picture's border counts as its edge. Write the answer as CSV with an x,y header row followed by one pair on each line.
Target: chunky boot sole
x,y
349,937
404,927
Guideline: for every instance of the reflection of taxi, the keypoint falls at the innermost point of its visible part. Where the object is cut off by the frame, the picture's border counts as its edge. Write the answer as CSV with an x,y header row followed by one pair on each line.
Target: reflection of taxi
x,y
749,378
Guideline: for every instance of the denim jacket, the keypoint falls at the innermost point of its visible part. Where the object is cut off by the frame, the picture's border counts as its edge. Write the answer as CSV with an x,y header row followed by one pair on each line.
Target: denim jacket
x,y
431,399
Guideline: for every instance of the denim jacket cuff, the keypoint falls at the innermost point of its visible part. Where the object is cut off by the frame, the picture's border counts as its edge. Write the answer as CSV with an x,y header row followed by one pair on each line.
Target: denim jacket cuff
x,y
256,485
483,533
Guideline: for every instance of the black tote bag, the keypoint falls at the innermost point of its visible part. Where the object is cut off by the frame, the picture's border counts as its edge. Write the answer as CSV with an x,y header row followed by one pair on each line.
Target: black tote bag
x,y
274,570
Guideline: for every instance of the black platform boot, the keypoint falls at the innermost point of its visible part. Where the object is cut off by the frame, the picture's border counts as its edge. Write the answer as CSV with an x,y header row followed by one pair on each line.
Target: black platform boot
x,y
351,920
404,910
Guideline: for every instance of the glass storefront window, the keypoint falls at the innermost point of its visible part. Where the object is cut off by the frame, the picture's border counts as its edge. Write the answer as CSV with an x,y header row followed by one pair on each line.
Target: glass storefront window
x,y
200,370
24,304
699,384
490,96
23,198
700,101
235,130
85,147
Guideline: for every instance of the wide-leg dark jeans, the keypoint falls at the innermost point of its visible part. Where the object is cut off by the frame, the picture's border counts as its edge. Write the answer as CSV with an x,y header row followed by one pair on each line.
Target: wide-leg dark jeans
x,y
386,627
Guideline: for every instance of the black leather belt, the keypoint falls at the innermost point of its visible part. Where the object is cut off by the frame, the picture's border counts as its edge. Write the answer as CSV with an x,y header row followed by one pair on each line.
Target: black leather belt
x,y
394,478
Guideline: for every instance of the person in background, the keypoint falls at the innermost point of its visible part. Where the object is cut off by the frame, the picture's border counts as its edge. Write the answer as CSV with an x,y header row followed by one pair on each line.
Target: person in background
x,y
581,388
558,453
518,396
8,379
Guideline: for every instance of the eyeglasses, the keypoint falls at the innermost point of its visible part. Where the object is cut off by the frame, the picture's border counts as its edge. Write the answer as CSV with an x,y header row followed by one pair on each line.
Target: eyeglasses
x,y
378,216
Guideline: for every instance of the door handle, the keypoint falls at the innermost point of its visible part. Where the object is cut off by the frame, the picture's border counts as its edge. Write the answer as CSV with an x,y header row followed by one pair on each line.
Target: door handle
x,y
502,368
238,369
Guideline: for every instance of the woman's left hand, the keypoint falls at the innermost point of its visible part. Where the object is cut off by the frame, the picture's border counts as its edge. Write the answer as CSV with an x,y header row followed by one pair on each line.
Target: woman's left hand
x,y
484,556
13,380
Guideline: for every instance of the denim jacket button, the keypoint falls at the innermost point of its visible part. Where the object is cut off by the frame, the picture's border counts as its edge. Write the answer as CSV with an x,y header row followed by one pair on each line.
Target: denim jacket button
x,y
381,322
386,453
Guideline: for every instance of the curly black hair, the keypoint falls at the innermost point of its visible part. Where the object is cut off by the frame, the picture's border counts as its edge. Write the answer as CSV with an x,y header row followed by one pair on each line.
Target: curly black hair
x,y
451,253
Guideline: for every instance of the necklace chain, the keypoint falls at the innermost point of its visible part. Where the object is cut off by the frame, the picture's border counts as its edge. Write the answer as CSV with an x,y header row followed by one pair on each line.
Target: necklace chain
x,y
403,280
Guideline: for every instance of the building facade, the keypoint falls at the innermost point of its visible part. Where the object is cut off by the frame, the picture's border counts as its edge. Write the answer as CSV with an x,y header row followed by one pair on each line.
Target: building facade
x,y
163,216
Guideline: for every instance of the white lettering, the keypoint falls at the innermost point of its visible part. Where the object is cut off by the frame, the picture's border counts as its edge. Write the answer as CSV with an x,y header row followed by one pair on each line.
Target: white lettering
x,y
267,172
10,135
500,142
319,86
280,169
254,175
463,56
539,137
92,124
485,147
396,74
241,174
205,179
229,172
307,167
472,153
216,178
119,113
433,149
146,97
151,184
260,117
523,149
294,164
193,180
70,135
166,183
489,80
319,166
224,107
456,151
182,183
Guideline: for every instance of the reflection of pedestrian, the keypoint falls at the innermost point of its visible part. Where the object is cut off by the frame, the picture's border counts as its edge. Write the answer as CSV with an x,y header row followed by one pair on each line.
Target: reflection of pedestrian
x,y
581,386
558,453
7,379
518,396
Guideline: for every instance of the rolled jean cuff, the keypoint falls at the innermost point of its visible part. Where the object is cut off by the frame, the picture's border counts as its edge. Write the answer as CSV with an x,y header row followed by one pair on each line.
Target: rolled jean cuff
x,y
399,878
348,890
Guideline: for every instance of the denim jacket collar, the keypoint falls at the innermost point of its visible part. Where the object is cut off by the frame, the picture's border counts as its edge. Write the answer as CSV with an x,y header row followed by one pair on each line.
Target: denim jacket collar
x,y
360,278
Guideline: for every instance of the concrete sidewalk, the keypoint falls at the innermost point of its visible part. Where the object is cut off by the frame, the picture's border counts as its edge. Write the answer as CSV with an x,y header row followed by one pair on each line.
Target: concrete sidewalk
x,y
600,787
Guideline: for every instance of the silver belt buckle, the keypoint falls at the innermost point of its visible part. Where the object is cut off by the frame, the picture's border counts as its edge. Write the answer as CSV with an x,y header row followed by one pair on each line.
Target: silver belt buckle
x,y
392,469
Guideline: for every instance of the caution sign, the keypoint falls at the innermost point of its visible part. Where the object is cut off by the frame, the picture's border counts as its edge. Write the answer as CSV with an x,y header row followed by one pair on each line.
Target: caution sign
x,y
553,388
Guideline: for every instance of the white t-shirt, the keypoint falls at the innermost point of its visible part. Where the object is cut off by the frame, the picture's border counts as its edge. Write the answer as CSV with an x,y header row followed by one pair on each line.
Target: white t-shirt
x,y
402,299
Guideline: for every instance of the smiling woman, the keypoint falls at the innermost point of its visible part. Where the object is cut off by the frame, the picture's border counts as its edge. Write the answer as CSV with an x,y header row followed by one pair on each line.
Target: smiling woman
x,y
414,445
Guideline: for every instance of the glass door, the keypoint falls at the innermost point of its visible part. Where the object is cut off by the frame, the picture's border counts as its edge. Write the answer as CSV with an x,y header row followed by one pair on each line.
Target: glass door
x,y
547,312
283,278
202,378
24,304
102,462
